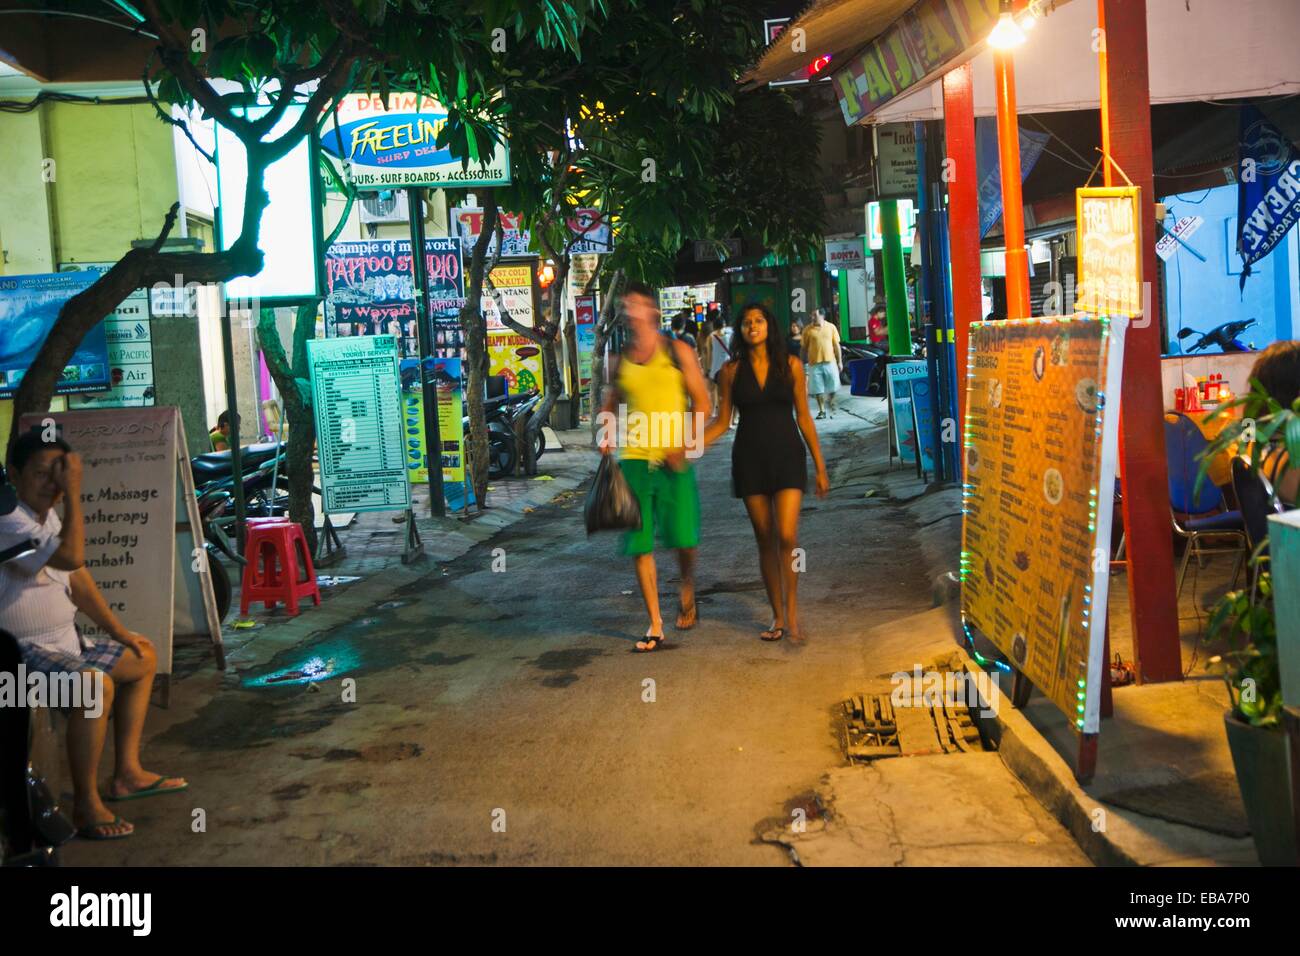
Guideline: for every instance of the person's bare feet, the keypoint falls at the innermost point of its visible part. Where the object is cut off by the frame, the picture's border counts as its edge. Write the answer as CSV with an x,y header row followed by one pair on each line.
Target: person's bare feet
x,y
134,782
687,613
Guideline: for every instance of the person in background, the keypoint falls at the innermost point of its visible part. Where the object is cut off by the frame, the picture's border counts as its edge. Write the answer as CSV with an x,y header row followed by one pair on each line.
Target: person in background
x,y
769,466
717,352
878,327
40,595
794,341
821,353
658,378
680,333
1278,370
220,435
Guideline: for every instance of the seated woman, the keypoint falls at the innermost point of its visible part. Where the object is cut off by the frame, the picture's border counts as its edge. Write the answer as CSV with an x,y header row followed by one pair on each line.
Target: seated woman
x,y
40,595
1278,370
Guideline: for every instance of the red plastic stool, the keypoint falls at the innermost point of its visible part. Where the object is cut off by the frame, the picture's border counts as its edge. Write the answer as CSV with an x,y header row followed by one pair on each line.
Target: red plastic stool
x,y
276,550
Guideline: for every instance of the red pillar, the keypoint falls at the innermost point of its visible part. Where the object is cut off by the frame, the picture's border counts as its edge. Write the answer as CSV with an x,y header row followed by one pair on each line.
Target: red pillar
x,y
963,216
1149,542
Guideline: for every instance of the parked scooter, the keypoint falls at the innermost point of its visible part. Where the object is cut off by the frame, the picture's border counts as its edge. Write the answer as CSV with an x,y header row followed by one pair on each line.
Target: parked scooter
x,y
503,412
1224,336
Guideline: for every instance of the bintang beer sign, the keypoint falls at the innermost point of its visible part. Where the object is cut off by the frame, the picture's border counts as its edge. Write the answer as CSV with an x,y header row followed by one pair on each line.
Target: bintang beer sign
x,y
396,147
1110,250
1040,448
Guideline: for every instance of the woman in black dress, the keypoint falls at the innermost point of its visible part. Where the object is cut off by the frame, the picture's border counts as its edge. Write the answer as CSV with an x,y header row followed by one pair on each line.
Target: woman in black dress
x,y
769,466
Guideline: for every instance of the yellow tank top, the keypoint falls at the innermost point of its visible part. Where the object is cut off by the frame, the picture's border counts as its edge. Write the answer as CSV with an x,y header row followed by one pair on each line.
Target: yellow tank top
x,y
655,395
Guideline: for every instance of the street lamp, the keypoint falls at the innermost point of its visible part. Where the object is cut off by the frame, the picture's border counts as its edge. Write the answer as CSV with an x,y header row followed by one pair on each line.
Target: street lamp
x,y
1007,32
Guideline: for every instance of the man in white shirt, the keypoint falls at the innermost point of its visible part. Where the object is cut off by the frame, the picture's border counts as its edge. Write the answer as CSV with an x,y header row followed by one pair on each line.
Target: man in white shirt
x,y
40,595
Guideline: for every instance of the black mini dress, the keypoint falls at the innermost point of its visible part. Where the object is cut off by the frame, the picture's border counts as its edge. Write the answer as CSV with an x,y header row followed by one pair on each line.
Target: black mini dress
x,y
768,454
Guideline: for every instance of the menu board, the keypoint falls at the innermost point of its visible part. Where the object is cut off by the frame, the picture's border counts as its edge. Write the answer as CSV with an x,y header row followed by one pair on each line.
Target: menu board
x,y
514,284
1040,446
356,389
1110,250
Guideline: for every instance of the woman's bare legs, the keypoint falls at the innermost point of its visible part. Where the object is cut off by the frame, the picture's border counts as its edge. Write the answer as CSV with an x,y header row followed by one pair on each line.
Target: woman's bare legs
x,y
85,746
760,516
786,504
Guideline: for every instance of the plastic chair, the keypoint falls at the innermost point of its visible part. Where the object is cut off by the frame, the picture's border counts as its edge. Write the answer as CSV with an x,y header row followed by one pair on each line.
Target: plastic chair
x,y
279,568
1199,514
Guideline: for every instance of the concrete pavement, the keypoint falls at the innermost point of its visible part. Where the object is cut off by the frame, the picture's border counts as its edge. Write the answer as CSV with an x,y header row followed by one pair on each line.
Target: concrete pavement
x,y
501,716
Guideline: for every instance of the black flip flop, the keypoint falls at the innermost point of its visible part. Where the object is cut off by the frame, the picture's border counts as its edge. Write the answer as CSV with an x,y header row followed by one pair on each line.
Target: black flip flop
x,y
656,640
776,632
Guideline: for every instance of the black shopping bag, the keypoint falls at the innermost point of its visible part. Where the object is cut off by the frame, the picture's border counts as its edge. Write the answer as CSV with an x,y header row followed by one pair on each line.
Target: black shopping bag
x,y
611,506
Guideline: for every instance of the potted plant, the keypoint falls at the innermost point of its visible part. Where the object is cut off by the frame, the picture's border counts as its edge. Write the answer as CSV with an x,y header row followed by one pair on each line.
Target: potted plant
x,y
1245,620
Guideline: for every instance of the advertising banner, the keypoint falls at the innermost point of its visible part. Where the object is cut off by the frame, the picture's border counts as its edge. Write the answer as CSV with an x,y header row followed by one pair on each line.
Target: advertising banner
x,y
356,390
988,166
29,306
1040,450
518,358
584,327
920,42
515,239
1110,250
514,283
396,147
371,291
895,160
592,231
449,381
1268,191
909,394
130,350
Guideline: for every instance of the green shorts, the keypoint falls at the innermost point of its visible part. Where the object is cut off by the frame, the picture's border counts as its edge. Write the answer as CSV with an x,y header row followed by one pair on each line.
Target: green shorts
x,y
669,502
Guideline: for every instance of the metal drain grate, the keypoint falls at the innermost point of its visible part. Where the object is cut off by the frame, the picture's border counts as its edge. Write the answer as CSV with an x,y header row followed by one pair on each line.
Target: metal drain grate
x,y
874,728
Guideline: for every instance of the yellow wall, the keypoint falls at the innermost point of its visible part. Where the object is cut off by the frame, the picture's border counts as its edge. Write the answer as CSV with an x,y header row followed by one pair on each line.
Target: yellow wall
x,y
114,178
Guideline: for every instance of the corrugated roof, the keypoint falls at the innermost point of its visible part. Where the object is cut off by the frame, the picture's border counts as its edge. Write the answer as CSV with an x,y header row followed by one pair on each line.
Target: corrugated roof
x,y
835,27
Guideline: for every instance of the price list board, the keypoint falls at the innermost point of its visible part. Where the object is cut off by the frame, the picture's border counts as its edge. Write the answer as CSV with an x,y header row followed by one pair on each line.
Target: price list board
x,y
356,388
1040,449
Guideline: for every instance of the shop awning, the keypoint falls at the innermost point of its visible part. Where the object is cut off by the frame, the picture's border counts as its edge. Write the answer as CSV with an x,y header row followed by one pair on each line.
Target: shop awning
x,y
1200,50
831,28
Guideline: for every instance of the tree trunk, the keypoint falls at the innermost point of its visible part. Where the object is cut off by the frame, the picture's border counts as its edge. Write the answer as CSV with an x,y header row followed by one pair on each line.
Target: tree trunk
x,y
296,395
604,325
476,357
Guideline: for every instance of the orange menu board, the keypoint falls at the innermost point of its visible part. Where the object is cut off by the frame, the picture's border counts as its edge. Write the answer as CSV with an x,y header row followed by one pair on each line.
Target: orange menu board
x,y
1110,250
1040,446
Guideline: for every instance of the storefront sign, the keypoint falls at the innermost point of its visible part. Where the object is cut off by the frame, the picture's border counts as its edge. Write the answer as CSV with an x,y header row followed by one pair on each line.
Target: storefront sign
x,y
356,391
920,42
130,350
29,306
1268,199
895,160
1110,250
515,239
1167,245
371,291
584,326
910,399
675,298
1041,434
707,250
846,253
140,513
397,146
514,284
582,269
517,358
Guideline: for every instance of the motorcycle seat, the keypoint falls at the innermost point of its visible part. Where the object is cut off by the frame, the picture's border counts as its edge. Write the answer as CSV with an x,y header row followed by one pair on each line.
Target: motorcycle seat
x,y
217,464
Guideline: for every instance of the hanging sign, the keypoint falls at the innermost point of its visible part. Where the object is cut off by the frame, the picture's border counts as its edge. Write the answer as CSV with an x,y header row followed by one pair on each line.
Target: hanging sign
x,y
1268,191
29,307
846,253
356,390
895,160
140,514
591,232
1168,244
515,238
1110,250
1040,450
397,146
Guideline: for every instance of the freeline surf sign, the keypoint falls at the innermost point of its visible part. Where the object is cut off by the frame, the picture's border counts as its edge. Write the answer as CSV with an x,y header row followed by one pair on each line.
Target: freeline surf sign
x,y
397,147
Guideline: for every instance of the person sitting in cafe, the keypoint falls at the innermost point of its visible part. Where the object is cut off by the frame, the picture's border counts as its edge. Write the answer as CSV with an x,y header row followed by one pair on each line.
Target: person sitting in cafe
x,y
40,594
1278,370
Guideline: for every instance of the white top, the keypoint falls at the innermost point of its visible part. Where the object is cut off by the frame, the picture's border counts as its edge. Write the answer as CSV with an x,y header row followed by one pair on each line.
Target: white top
x,y
36,600
718,355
